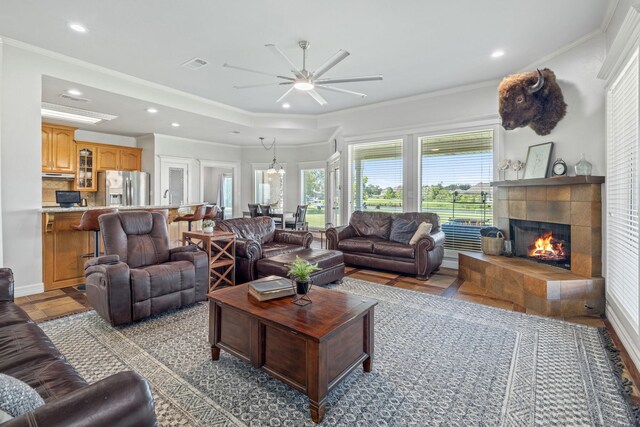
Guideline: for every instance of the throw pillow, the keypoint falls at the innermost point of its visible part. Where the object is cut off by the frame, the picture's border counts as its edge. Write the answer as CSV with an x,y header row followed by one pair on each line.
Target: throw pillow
x,y
423,230
402,230
16,397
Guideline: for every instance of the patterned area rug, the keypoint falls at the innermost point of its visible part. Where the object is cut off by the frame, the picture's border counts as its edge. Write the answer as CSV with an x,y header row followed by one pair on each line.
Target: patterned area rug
x,y
437,362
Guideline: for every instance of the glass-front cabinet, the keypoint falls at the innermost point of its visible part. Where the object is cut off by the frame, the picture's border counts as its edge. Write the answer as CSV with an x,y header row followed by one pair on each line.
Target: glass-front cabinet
x,y
86,176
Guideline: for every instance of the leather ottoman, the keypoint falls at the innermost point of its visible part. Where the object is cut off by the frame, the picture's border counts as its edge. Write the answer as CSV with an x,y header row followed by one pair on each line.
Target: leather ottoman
x,y
331,263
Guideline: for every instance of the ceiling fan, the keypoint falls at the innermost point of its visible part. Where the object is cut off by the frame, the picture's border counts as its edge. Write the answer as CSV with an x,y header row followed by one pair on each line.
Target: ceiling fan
x,y
306,81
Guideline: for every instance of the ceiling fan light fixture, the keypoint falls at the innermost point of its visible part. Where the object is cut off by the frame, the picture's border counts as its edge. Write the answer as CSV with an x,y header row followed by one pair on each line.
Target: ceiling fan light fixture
x,y
303,85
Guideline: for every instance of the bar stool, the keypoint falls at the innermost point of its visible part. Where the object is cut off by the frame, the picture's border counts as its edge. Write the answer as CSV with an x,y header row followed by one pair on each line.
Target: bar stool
x,y
211,212
89,222
197,215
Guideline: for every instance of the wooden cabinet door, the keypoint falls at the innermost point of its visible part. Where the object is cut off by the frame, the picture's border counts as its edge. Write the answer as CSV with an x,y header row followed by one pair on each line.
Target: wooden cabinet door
x,y
46,149
86,176
63,151
108,158
130,159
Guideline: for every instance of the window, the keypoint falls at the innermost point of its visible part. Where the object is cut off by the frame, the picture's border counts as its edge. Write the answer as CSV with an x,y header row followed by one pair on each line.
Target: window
x,y
313,194
376,176
269,189
623,152
227,194
456,171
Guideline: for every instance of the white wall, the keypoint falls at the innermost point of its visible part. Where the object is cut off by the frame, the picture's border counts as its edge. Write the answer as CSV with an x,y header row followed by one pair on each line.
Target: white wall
x,y
194,150
105,138
211,182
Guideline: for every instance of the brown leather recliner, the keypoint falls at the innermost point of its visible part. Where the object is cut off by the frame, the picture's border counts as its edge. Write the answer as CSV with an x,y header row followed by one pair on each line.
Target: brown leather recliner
x,y
140,276
258,238
365,243
26,353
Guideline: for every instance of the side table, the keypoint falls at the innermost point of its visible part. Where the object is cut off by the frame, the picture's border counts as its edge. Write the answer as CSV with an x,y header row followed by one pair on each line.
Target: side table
x,y
220,247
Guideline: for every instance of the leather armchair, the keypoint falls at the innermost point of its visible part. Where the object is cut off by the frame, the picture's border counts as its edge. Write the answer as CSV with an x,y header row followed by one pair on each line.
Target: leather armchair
x,y
258,238
26,353
140,276
365,243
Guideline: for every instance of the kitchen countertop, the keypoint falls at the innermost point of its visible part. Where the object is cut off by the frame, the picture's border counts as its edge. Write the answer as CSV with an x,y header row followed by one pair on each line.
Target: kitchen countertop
x,y
122,208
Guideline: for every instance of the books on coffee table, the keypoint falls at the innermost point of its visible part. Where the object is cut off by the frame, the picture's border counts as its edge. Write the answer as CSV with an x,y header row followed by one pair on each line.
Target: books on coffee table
x,y
271,287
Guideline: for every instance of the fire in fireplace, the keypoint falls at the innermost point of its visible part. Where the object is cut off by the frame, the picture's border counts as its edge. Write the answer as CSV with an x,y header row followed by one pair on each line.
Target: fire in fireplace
x,y
548,248
542,241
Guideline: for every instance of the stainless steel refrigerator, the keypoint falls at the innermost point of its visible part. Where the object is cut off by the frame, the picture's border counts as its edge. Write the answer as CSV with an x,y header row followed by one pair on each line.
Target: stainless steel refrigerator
x,y
120,188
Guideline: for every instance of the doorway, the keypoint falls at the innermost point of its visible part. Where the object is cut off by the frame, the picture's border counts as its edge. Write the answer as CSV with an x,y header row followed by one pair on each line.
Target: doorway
x,y
218,184
174,181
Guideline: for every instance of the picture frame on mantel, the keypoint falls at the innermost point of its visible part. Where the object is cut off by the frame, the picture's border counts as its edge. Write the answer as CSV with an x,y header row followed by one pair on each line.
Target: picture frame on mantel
x,y
538,158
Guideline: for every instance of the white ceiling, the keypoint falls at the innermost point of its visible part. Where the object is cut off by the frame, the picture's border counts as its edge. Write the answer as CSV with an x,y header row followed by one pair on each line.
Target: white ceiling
x,y
134,120
418,45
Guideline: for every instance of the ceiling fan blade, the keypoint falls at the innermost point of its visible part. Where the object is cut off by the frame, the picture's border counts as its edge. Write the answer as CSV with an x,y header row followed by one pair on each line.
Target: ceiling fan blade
x,y
262,85
255,71
315,95
337,89
330,63
349,79
276,51
284,96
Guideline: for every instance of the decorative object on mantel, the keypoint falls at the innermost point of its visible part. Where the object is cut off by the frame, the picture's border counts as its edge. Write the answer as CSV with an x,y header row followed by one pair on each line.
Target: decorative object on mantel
x,y
207,225
559,168
274,167
531,99
518,166
503,165
583,167
560,180
538,158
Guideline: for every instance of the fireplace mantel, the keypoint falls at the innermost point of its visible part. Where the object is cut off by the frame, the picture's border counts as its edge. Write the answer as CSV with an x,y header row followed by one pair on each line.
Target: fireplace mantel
x,y
560,180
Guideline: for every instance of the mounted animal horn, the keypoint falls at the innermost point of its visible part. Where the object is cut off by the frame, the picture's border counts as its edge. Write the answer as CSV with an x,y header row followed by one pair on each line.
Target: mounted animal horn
x,y
536,87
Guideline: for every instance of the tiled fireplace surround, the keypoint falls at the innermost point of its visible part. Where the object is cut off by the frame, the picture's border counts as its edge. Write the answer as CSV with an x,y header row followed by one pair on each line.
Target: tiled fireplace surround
x,y
541,288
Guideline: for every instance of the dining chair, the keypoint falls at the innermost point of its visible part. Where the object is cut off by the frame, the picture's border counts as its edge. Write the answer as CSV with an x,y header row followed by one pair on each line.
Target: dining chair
x,y
254,210
298,222
265,210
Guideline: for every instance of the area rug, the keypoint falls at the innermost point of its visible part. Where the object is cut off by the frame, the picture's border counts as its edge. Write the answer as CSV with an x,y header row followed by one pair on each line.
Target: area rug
x,y
437,362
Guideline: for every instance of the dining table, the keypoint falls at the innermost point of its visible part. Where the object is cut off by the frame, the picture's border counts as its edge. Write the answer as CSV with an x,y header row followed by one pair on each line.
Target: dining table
x,y
276,216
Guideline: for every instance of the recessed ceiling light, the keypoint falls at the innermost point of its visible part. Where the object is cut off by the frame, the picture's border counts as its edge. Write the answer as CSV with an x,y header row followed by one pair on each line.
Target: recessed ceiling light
x,y
175,125
286,105
152,110
497,53
74,92
78,27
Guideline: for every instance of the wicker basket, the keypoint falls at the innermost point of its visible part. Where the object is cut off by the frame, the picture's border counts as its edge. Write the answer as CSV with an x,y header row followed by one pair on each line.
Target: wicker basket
x,y
493,245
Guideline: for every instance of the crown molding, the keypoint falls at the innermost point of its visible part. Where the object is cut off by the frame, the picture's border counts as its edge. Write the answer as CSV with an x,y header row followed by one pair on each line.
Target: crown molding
x,y
608,15
198,141
626,40
562,50
426,95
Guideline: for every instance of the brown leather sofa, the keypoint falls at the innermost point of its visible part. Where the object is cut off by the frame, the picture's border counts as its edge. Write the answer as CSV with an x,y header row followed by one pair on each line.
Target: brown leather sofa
x,y
26,353
258,238
140,276
365,243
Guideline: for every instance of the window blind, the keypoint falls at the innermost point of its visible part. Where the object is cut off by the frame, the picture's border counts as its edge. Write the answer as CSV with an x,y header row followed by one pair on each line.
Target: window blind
x,y
622,190
456,171
376,176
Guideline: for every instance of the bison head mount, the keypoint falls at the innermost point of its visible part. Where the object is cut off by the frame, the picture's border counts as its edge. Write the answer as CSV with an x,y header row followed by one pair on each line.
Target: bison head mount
x,y
531,99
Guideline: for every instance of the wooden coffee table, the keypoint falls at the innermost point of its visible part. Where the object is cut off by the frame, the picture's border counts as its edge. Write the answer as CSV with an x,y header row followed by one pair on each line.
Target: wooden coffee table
x,y
310,348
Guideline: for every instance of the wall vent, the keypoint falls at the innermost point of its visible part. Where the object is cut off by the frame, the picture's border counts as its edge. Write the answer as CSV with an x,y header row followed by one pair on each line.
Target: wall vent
x,y
73,98
195,63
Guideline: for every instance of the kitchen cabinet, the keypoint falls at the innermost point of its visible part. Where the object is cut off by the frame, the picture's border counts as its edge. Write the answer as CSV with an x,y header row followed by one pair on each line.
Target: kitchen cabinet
x,y
112,157
130,159
58,149
86,158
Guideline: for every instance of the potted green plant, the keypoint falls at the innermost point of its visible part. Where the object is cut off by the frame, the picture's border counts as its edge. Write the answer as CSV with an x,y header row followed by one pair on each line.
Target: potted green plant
x,y
207,225
300,270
